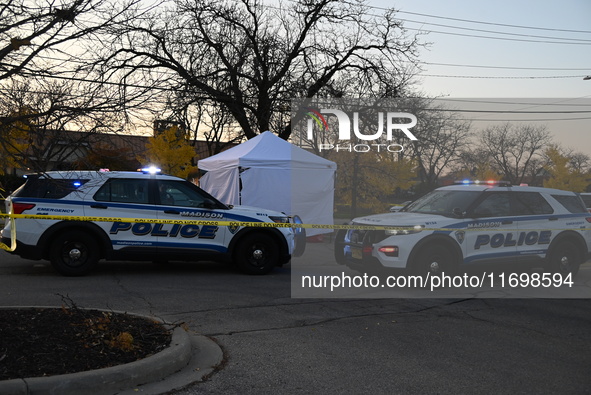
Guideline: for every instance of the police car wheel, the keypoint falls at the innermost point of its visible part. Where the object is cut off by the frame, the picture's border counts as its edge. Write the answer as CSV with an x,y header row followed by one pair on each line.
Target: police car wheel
x,y
74,253
435,260
564,259
257,253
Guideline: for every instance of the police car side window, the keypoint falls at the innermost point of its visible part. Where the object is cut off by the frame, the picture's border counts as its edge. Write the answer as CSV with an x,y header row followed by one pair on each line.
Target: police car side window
x,y
493,205
572,203
587,200
48,188
178,193
123,190
531,203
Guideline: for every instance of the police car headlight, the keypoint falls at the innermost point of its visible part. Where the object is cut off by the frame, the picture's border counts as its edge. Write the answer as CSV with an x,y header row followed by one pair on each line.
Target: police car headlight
x,y
404,230
279,219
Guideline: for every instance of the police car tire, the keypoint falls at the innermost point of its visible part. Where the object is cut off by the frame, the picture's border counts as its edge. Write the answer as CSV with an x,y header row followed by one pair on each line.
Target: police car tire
x,y
256,253
564,259
74,253
434,253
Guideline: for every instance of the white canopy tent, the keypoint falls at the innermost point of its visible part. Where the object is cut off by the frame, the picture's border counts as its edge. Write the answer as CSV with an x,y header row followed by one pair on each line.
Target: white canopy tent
x,y
269,172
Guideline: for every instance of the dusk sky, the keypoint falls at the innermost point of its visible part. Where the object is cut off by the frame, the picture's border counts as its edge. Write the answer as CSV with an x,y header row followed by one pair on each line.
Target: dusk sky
x,y
508,49
544,46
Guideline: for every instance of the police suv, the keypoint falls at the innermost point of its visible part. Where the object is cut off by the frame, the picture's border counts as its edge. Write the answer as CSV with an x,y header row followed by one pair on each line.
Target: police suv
x,y
75,246
476,223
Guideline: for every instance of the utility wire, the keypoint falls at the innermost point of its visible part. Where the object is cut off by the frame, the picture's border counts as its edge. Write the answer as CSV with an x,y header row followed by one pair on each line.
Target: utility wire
x,y
501,77
520,103
519,120
126,85
418,74
424,109
491,23
499,38
480,22
87,61
508,67
497,32
585,42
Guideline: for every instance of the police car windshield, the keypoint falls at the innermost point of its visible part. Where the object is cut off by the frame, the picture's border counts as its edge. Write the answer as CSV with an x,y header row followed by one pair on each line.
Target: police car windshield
x,y
443,202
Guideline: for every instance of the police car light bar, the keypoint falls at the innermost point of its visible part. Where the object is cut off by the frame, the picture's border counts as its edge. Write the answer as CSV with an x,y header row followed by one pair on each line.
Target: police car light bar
x,y
151,170
488,182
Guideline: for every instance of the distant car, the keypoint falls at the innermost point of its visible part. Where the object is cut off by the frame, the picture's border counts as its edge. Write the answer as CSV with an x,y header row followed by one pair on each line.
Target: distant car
x,y
587,200
462,225
75,246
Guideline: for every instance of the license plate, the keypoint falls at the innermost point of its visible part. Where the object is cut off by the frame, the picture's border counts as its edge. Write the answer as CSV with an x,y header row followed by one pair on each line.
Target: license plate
x,y
356,253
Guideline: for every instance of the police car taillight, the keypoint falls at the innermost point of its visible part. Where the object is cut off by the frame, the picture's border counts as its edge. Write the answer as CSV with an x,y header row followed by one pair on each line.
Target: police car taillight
x,y
588,219
18,208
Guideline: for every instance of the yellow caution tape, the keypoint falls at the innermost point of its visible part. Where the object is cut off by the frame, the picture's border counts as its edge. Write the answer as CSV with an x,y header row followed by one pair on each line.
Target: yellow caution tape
x,y
12,218
254,224
12,245
194,222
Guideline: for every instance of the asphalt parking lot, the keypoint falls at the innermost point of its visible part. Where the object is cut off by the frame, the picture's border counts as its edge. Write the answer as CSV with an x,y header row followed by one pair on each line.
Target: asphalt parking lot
x,y
274,343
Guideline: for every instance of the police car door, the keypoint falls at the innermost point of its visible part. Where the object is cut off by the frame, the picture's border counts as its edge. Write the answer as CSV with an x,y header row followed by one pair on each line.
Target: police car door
x,y
182,200
536,222
126,198
490,235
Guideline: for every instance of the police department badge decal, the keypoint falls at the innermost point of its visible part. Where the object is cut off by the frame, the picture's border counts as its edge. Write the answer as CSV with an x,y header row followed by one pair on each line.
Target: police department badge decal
x,y
233,228
460,236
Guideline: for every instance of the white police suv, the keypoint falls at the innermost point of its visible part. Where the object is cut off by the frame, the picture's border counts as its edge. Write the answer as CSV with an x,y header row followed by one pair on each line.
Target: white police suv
x,y
75,246
461,225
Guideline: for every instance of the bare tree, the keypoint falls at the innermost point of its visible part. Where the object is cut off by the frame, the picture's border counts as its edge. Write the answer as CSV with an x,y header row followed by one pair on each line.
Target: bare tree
x,y
578,161
251,57
441,138
514,150
52,95
52,123
220,130
203,120
33,31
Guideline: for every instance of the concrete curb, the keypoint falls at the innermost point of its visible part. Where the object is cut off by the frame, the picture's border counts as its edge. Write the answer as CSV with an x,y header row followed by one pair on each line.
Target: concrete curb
x,y
155,368
207,355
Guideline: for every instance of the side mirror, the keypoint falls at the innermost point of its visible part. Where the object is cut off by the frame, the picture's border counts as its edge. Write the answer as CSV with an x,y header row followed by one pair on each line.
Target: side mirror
x,y
394,209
